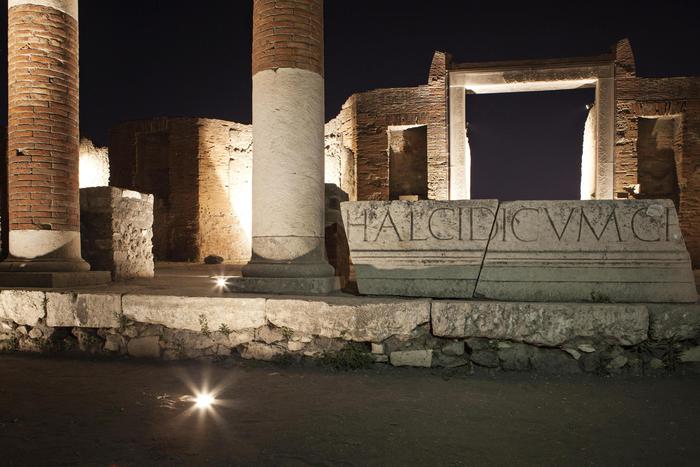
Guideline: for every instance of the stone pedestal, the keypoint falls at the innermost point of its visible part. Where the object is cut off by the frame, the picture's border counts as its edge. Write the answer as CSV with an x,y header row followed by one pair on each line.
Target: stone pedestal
x,y
117,231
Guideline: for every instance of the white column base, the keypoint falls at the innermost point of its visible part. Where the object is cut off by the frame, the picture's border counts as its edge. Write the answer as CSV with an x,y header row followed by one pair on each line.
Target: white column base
x,y
44,250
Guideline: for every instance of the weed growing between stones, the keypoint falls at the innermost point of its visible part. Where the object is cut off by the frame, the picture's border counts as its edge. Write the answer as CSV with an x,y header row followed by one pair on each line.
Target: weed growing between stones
x,y
224,329
204,325
287,333
352,357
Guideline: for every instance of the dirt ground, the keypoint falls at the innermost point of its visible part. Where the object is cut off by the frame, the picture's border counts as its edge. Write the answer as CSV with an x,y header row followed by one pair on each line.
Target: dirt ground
x,y
56,411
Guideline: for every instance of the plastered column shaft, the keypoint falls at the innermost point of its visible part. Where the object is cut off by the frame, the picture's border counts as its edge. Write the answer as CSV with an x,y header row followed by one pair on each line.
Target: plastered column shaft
x,y
288,140
605,135
460,160
43,136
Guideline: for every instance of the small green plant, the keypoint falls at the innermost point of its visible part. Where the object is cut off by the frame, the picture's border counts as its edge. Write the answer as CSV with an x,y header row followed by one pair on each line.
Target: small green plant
x,y
122,320
204,325
287,333
349,358
225,330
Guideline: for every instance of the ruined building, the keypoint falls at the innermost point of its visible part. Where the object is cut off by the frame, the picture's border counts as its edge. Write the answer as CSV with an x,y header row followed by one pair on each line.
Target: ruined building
x,y
641,142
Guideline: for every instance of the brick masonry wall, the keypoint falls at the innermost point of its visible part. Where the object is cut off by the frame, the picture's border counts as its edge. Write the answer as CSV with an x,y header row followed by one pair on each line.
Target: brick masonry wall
x,y
117,231
288,34
369,116
225,190
43,134
177,203
663,97
205,206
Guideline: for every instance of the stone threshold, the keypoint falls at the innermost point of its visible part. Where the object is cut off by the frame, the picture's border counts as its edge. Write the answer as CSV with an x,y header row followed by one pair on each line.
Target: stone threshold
x,y
411,332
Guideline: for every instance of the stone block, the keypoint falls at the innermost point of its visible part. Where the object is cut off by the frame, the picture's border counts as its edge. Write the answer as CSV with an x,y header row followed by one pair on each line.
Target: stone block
x,y
485,358
259,351
54,280
284,285
546,324
417,358
22,307
690,355
598,251
454,348
117,231
418,249
193,313
674,321
144,347
83,310
356,319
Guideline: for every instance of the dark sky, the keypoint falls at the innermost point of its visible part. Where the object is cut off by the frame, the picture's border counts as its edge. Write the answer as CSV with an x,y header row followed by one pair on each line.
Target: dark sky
x,y
146,58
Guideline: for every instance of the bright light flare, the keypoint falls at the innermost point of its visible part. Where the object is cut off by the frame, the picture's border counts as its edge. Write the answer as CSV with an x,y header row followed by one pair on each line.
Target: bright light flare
x,y
204,401
221,282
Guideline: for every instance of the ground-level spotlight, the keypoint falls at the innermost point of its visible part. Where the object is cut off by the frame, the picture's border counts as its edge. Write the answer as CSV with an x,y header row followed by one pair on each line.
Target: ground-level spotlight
x,y
221,282
204,401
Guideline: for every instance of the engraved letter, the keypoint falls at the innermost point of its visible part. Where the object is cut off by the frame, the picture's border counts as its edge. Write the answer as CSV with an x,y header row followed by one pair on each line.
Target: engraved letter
x,y
634,228
350,224
551,222
391,226
514,219
430,223
612,216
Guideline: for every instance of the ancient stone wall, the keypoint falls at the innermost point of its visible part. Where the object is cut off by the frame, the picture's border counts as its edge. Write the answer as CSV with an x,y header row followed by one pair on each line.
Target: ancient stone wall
x,y
560,338
94,164
224,190
366,119
160,157
677,101
117,231
200,172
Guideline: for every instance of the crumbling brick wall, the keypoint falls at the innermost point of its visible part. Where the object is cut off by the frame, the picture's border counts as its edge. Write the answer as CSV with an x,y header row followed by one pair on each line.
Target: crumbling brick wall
x,y
366,118
160,157
200,172
649,98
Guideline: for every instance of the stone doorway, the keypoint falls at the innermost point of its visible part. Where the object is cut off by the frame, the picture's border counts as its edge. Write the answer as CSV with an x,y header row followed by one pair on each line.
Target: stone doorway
x,y
658,148
408,162
527,145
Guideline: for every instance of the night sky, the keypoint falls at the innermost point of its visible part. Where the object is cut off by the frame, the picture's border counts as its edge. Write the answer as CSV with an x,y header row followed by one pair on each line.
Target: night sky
x,y
148,58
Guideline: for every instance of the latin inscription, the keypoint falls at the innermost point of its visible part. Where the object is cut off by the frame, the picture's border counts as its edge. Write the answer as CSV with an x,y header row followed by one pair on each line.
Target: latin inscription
x,y
524,224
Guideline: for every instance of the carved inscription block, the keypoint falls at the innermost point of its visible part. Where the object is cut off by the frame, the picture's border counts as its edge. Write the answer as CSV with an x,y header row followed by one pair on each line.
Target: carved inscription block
x,y
600,251
420,248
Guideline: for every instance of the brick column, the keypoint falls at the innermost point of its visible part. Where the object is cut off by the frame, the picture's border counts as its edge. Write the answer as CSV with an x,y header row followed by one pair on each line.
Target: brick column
x,y
288,146
43,137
